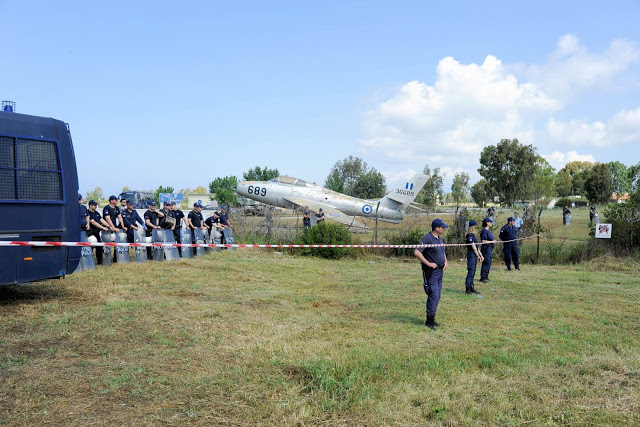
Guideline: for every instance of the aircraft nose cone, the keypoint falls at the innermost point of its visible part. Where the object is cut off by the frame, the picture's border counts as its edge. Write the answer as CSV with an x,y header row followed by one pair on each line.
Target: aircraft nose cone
x,y
241,188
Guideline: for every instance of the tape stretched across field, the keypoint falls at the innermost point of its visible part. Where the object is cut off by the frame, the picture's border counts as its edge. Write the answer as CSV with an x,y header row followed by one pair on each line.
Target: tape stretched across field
x,y
221,245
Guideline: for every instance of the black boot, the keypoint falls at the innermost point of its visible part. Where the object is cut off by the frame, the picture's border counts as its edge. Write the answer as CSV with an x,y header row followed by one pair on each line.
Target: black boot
x,y
469,290
431,322
473,290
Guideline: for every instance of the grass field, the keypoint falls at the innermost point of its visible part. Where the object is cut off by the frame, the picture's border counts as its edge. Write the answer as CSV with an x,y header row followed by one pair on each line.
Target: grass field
x,y
250,337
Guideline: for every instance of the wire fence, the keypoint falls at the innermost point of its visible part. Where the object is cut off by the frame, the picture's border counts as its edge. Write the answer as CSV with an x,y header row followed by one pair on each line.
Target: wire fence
x,y
548,236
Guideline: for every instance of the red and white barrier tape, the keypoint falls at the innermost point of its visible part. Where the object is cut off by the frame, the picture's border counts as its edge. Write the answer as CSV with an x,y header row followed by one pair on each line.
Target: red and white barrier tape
x,y
220,245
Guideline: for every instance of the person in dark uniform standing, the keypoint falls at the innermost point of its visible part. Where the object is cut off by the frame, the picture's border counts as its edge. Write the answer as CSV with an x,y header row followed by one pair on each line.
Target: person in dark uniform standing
x,y
195,220
96,224
112,214
168,221
319,216
179,216
306,217
84,215
131,218
151,220
510,248
434,261
488,242
473,255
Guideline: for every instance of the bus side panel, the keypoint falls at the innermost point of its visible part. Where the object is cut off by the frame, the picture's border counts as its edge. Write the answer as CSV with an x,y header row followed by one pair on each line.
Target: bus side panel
x,y
9,255
71,188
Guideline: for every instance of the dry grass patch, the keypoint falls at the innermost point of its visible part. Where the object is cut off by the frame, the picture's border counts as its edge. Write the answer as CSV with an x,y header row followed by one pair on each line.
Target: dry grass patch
x,y
248,337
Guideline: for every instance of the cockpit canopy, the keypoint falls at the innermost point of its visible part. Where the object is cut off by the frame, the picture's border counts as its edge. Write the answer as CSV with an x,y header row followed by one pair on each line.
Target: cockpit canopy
x,y
289,180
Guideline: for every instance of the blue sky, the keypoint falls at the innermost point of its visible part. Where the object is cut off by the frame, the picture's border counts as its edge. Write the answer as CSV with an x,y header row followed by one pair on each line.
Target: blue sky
x,y
179,93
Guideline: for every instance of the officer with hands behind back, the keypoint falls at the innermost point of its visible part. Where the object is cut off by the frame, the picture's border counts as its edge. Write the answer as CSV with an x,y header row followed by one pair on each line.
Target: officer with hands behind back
x,y
509,235
434,261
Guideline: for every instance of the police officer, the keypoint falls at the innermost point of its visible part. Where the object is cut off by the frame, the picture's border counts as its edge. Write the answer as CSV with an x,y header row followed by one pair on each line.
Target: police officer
x,y
195,220
131,218
165,222
179,216
151,220
112,214
96,224
510,249
319,216
473,255
488,242
434,261
306,217
84,215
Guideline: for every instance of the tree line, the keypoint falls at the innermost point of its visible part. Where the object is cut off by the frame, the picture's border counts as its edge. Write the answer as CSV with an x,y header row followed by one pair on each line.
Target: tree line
x,y
510,172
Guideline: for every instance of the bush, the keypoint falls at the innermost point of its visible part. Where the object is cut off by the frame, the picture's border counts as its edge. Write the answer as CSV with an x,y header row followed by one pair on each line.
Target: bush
x,y
563,201
405,237
326,233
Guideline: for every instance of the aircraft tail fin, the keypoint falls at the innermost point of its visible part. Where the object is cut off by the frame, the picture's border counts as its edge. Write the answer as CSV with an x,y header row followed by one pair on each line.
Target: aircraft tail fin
x,y
402,197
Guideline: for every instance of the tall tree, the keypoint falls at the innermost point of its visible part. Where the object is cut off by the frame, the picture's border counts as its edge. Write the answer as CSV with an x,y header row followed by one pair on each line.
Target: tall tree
x,y
94,194
345,173
564,183
460,187
579,171
432,189
353,177
225,190
599,184
479,193
508,169
620,175
258,174
543,184
371,185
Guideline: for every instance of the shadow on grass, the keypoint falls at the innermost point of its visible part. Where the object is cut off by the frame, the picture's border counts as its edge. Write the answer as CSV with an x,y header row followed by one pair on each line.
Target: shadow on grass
x,y
403,318
18,294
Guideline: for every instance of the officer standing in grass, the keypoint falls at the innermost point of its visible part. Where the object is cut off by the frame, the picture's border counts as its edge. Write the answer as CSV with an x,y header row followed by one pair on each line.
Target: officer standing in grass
x,y
97,224
179,216
473,255
433,260
488,241
509,234
84,215
131,218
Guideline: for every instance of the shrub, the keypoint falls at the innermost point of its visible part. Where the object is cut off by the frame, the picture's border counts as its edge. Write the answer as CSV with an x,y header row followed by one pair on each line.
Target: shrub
x,y
563,201
326,233
405,237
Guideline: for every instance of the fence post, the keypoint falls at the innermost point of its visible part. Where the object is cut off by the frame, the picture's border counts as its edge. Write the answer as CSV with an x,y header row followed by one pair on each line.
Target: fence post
x,y
538,248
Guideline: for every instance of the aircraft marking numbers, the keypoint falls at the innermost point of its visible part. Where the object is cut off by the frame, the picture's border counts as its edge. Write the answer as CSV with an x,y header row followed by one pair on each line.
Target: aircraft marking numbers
x,y
257,191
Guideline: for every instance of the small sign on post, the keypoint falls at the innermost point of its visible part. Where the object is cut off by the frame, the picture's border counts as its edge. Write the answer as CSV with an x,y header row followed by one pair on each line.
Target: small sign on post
x,y
603,231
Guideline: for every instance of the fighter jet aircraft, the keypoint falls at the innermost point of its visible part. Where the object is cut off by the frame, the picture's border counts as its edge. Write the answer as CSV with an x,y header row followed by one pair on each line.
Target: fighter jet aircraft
x,y
292,193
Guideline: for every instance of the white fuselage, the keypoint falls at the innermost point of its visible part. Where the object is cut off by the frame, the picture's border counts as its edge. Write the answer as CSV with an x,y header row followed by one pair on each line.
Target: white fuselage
x,y
280,194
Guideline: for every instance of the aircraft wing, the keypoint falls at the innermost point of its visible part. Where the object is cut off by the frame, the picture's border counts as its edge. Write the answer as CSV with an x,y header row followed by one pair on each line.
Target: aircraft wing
x,y
329,211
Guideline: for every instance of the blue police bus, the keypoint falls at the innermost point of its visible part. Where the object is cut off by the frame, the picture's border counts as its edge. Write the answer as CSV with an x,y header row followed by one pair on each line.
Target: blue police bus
x,y
38,198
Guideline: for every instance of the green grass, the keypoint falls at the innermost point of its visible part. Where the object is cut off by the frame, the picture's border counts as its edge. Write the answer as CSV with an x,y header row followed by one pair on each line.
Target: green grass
x,y
250,337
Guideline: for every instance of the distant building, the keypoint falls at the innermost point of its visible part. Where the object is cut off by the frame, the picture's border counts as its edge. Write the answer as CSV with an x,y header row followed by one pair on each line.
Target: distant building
x,y
620,198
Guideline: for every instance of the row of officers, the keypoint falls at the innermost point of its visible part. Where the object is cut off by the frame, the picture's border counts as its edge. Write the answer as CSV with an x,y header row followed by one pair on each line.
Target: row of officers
x,y
509,234
125,218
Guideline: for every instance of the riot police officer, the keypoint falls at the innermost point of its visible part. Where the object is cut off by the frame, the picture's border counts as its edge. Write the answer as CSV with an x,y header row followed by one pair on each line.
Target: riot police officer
x,y
488,241
510,248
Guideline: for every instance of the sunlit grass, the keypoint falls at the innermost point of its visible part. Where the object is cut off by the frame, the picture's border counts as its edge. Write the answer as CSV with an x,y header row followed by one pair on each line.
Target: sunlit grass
x,y
252,337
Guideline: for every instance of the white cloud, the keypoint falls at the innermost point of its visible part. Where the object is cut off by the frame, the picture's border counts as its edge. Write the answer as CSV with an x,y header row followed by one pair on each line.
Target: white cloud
x,y
623,127
558,160
470,106
571,68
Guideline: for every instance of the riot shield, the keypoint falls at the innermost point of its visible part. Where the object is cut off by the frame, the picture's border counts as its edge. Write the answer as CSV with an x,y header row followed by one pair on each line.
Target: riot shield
x,y
228,237
122,252
139,236
187,252
107,251
216,239
156,237
199,239
170,253
86,257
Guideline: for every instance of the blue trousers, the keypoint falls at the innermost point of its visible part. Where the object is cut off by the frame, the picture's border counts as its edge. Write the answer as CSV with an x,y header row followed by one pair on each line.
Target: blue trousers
x,y
487,252
510,251
433,288
472,261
